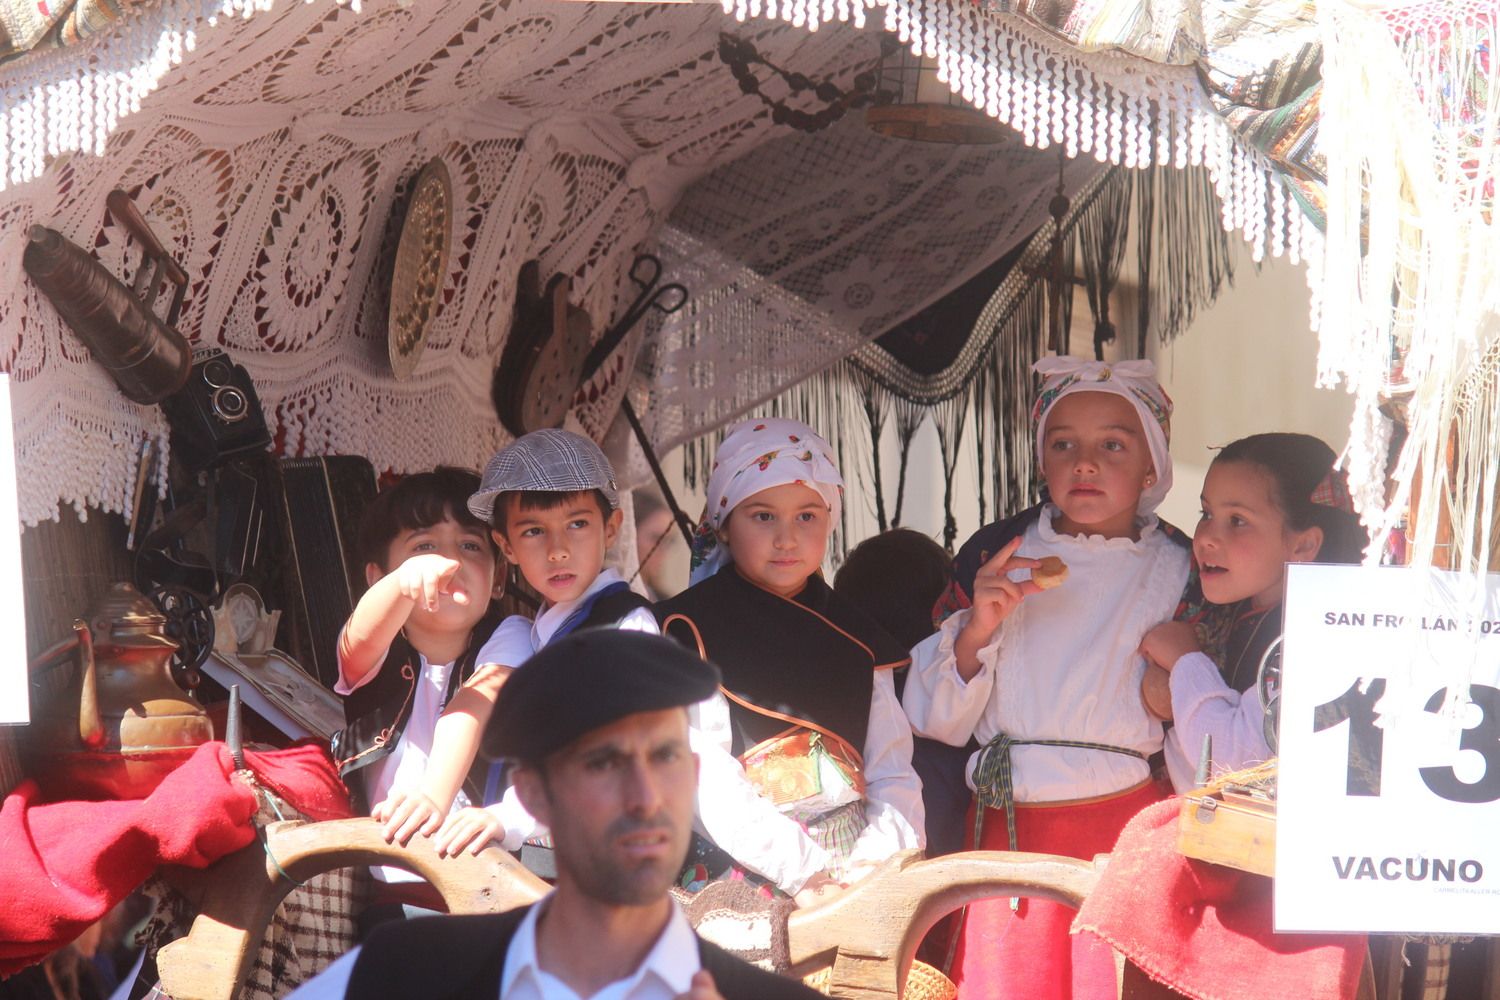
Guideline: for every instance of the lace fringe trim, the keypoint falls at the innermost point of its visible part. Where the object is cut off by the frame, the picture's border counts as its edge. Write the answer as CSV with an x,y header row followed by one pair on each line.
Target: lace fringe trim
x,y
1407,291
1112,106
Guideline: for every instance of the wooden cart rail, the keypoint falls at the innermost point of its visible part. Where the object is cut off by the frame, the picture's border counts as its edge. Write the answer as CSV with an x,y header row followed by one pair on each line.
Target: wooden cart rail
x,y
868,934
237,896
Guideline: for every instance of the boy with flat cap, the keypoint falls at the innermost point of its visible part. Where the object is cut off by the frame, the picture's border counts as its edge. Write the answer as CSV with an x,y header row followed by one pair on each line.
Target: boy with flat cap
x,y
596,727
552,505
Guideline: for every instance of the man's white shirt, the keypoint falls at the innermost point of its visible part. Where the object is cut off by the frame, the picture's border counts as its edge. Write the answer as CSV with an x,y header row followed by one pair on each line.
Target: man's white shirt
x,y
666,972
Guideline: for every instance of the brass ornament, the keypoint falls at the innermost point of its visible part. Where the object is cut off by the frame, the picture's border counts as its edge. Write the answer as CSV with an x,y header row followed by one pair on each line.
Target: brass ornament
x,y
421,264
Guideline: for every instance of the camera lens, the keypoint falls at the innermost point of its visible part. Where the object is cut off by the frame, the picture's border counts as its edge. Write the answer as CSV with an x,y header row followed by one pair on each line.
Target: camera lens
x,y
229,404
217,372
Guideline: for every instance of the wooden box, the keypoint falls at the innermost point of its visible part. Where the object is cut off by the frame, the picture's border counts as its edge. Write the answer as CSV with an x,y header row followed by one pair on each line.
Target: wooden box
x,y
1229,828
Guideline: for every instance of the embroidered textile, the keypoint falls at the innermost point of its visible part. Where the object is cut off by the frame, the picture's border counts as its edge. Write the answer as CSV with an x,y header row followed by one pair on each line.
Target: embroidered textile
x,y
271,144
1410,278
809,246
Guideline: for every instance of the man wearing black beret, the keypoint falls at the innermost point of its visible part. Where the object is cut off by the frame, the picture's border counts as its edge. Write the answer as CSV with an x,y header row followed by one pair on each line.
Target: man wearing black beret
x,y
596,728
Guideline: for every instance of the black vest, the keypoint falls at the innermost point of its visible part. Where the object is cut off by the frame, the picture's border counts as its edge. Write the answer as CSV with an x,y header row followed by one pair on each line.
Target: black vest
x,y
609,609
463,958
376,713
812,656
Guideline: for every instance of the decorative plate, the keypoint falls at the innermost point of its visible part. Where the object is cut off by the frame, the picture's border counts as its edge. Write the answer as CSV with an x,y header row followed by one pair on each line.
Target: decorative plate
x,y
421,263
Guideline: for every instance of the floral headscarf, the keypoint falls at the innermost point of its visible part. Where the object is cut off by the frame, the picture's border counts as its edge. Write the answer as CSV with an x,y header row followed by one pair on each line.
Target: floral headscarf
x,y
758,455
1136,382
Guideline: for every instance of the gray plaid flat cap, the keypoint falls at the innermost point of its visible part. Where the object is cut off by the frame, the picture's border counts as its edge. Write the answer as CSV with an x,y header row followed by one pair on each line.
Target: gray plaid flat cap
x,y
553,460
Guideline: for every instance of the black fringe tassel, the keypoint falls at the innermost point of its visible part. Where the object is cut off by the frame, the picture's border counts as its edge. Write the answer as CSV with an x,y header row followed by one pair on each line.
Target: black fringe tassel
x,y
1183,259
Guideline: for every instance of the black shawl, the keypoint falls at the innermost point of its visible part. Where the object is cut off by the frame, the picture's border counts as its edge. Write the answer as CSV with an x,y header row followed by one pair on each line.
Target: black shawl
x,y
812,656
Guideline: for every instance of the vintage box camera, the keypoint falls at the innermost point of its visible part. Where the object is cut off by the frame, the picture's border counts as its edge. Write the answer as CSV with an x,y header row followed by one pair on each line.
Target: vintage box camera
x,y
216,416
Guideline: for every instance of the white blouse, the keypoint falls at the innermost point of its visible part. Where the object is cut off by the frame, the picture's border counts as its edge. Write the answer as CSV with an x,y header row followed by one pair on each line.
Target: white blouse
x,y
1202,704
1065,665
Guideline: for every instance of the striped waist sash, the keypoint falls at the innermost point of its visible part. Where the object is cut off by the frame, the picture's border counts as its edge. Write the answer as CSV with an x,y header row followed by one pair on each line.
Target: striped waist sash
x,y
993,785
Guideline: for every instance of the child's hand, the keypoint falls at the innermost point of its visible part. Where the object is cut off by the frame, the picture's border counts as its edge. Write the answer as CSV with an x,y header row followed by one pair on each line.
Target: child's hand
x,y
702,987
995,594
1156,692
470,829
427,577
818,889
1169,642
405,813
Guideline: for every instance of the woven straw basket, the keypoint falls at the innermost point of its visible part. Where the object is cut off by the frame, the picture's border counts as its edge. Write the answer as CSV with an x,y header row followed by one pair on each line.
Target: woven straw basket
x,y
923,982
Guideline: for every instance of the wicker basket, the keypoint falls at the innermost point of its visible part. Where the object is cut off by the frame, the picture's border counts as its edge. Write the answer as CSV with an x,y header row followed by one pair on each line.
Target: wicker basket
x,y
923,982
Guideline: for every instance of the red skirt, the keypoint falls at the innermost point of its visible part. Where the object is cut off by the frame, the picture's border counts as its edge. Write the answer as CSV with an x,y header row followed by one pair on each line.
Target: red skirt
x,y
1028,954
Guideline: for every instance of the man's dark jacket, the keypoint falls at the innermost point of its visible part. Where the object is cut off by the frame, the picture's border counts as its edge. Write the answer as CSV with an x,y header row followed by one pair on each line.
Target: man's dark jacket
x,y
463,958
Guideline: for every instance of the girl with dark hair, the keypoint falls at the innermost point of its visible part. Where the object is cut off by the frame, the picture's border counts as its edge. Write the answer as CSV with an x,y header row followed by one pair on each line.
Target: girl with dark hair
x,y
1268,500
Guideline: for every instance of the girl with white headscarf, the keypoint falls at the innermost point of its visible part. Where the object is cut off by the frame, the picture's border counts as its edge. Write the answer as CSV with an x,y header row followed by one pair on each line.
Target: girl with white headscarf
x,y
1047,681
813,711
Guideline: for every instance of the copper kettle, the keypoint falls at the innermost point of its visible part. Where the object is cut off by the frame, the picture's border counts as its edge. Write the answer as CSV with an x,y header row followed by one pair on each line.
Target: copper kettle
x,y
133,723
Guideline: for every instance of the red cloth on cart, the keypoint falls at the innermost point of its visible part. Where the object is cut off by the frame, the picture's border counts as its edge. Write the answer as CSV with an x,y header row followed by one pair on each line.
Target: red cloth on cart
x,y
304,775
1028,954
1205,930
63,865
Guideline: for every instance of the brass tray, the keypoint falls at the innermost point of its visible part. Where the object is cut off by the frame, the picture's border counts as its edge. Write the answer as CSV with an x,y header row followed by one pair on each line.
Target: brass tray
x,y
421,264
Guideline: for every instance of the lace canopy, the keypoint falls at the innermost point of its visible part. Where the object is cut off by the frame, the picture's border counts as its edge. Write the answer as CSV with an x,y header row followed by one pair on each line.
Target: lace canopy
x,y
268,150
272,146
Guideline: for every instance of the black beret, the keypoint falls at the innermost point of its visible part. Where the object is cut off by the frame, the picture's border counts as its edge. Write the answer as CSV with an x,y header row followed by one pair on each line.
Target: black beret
x,y
587,680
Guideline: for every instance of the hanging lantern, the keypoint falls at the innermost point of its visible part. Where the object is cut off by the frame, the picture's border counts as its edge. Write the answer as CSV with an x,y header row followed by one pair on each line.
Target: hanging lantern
x,y
924,108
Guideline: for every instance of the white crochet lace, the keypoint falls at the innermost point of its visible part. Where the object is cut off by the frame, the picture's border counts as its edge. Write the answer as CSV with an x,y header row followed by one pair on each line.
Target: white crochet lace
x,y
1115,107
268,144
269,160
805,248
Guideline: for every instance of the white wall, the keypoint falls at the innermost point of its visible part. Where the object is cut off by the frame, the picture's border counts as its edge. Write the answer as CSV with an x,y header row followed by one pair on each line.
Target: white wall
x,y
1248,365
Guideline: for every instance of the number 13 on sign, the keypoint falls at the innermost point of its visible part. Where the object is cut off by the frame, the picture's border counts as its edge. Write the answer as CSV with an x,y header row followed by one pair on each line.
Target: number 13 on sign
x,y
1355,708
1388,800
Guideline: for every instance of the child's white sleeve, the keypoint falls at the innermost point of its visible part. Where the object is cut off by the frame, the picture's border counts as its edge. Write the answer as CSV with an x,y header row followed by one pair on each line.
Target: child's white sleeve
x,y
895,817
733,814
1203,705
517,824
509,645
940,704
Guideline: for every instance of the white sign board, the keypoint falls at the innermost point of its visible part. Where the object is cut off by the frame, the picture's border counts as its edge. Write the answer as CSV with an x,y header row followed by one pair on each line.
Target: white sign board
x,y
15,704
1388,793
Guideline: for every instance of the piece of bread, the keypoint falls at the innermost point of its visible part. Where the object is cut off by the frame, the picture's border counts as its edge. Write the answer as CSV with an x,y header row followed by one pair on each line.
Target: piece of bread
x,y
1050,572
